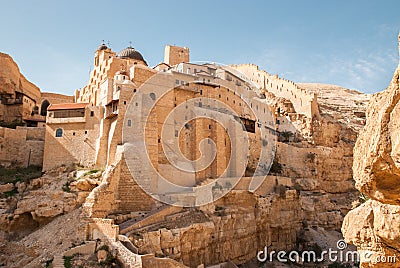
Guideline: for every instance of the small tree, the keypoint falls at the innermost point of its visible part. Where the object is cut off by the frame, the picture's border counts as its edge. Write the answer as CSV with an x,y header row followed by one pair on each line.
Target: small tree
x,y
286,135
276,167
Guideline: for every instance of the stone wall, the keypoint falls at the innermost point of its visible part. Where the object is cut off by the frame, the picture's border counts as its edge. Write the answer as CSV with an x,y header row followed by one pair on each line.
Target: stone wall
x,y
118,193
22,146
174,55
303,102
103,229
77,145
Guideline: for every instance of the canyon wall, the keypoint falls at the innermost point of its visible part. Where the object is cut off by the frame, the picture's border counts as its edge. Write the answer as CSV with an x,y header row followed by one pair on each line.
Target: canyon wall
x,y
374,225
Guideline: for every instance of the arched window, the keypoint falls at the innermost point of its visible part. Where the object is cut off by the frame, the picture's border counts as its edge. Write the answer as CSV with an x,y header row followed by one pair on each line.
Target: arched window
x,y
59,133
153,96
43,108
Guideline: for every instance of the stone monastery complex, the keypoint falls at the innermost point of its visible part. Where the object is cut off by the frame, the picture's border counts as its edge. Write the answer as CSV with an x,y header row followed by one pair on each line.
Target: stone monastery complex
x,y
180,164
87,129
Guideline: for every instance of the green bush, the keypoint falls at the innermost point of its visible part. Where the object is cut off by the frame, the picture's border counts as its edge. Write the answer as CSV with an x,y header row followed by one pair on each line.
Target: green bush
x,y
14,124
363,198
276,167
11,193
49,262
68,261
66,188
15,175
286,135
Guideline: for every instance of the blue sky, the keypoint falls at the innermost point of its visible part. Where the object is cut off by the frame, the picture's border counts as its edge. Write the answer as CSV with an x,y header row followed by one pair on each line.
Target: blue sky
x,y
347,43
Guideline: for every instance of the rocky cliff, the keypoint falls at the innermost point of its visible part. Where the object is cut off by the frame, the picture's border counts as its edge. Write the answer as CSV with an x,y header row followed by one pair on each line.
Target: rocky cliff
x,y
374,226
11,79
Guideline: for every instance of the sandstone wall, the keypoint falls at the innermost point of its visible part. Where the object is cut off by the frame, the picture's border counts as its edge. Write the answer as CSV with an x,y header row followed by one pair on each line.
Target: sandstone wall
x,y
21,147
118,193
374,226
77,145
174,55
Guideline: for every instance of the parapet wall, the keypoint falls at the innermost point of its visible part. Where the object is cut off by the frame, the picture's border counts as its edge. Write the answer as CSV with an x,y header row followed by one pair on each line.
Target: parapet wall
x,y
303,102
21,147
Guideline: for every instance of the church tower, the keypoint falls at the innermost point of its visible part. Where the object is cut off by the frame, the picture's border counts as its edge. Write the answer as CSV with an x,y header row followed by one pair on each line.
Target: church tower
x,y
174,55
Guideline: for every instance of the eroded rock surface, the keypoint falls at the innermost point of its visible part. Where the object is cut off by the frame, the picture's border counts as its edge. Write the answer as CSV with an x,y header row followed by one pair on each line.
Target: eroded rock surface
x,y
374,226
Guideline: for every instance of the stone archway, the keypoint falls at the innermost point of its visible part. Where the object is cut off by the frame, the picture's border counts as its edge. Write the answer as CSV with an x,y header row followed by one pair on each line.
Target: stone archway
x,y
43,107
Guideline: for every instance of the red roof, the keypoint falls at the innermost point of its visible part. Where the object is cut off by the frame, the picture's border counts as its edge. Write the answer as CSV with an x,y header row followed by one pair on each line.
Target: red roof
x,y
67,106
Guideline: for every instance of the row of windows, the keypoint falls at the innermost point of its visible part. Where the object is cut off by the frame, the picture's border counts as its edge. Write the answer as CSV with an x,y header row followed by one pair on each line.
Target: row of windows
x,y
179,82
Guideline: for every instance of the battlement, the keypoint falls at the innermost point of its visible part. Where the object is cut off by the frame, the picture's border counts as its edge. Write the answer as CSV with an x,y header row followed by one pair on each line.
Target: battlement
x,y
304,102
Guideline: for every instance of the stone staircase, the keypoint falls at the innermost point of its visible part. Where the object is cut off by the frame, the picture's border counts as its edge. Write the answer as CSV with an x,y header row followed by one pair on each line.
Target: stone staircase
x,y
152,217
3,205
58,261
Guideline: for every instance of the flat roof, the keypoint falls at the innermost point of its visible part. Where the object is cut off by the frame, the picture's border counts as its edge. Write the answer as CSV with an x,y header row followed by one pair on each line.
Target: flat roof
x,y
67,106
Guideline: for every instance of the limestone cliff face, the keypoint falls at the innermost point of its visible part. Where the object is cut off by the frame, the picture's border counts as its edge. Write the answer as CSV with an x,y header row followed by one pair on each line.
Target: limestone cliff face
x,y
374,226
12,80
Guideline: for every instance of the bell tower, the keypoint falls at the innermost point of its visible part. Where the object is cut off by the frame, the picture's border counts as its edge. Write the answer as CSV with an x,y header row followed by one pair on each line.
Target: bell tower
x,y
174,55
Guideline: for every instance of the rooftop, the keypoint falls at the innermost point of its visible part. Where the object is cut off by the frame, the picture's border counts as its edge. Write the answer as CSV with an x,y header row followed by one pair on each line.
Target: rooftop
x,y
67,106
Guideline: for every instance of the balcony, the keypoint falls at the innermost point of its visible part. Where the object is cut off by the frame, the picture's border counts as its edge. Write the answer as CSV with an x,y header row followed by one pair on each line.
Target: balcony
x,y
111,114
66,116
52,120
112,109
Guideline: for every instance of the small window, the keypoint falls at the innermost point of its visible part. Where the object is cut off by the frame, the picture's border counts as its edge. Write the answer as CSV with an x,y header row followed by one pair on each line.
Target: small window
x,y
59,133
177,81
85,131
91,113
176,133
73,133
134,91
201,92
124,102
129,123
153,96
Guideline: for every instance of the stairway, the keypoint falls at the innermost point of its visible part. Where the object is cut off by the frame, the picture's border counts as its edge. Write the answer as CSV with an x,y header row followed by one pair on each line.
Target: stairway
x,y
58,261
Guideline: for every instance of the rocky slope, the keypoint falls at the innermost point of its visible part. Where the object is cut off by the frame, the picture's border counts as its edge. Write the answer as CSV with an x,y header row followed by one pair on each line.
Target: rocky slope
x,y
374,226
41,217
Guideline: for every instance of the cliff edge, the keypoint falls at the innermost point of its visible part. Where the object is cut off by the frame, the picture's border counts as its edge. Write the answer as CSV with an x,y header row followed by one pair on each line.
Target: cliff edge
x,y
374,226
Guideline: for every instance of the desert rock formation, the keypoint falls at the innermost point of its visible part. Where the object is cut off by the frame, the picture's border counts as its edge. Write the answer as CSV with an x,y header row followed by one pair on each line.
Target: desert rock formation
x,y
374,226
